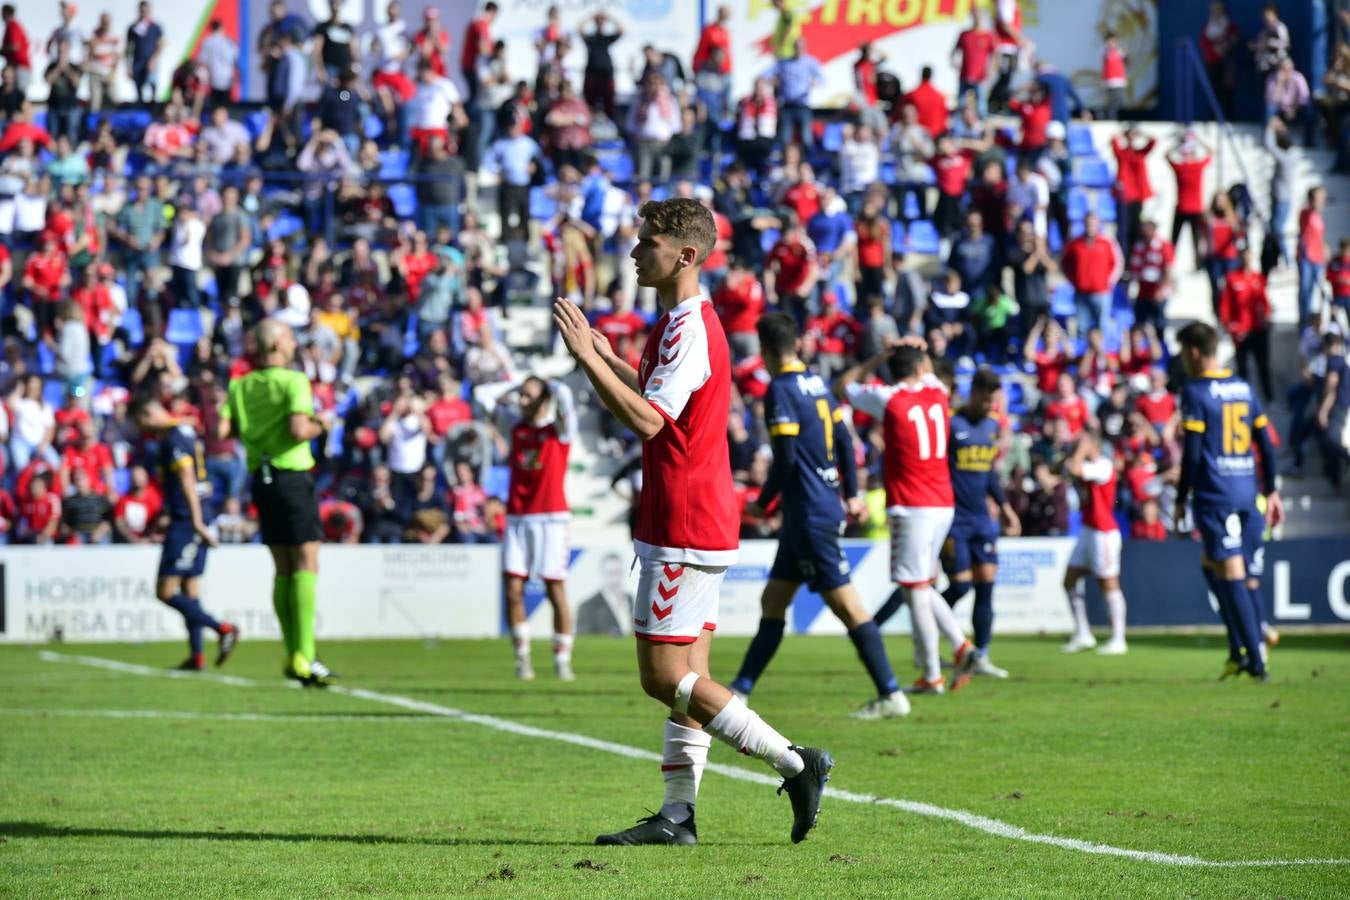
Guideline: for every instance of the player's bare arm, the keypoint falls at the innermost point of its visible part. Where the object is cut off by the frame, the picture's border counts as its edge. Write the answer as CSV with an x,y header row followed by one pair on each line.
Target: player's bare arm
x,y
618,396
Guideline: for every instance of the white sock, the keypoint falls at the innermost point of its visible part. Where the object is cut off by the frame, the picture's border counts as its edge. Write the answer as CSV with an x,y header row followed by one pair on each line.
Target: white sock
x,y
520,637
683,756
1078,606
925,629
562,648
1115,606
946,621
744,730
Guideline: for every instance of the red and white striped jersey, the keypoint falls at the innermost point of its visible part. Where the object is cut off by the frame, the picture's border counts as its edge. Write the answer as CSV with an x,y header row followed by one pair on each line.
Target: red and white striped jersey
x,y
1097,494
687,511
914,467
539,453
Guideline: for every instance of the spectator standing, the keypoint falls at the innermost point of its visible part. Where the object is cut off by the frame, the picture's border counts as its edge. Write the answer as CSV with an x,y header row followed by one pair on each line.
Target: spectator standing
x,y
105,49
739,303
974,258
15,48
1115,77
1226,238
1218,43
1289,100
1036,112
1280,147
568,126
1189,159
950,170
1150,271
68,33
797,77
404,435
186,239
1059,92
757,126
285,88
478,43
33,429
516,157
867,95
431,42
46,277
974,50
145,40
1312,252
715,36
1092,264
228,239
334,44
929,103
790,271
65,112
1244,310
1270,47
787,29
597,87
341,108
434,107
220,55
914,149
1133,188
139,229
1029,196
438,187
653,119
1031,264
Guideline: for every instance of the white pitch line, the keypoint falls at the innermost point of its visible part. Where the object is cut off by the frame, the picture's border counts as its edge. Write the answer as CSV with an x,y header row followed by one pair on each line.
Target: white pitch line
x,y
210,716
995,827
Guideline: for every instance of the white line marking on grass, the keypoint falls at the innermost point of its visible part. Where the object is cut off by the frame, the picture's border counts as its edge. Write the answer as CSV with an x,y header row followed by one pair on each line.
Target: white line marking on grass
x,y
320,718
995,827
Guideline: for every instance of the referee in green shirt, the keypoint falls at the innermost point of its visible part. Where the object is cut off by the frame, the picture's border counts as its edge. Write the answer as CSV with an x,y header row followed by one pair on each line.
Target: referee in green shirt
x,y
271,410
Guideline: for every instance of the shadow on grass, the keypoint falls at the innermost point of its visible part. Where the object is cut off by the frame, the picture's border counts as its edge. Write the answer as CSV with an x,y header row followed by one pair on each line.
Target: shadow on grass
x,y
43,830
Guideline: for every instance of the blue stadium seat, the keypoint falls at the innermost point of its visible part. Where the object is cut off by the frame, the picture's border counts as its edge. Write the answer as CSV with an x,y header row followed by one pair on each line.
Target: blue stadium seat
x,y
1093,172
543,205
122,481
135,328
255,122
497,481
184,327
284,225
619,166
923,237
1054,237
393,164
660,192
374,127
897,237
46,359
1061,301
1080,141
1077,204
1106,206
411,342
833,138
404,200
54,392
768,237
911,207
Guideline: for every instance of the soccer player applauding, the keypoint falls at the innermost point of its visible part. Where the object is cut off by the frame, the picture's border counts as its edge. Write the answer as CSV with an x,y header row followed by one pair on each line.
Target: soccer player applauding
x,y
812,459
685,536
1222,419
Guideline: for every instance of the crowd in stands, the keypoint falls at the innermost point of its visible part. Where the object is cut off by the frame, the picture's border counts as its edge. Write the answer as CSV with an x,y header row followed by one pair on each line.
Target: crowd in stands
x,y
142,236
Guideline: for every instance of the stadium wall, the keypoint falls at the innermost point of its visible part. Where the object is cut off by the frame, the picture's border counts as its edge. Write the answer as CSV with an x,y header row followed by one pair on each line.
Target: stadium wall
x,y
410,591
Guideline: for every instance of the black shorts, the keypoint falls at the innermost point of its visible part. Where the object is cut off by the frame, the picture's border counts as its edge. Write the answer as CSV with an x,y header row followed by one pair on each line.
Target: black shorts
x,y
288,511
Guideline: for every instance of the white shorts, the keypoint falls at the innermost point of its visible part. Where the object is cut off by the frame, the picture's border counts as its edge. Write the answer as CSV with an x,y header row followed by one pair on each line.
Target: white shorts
x,y
536,547
917,536
1097,552
675,602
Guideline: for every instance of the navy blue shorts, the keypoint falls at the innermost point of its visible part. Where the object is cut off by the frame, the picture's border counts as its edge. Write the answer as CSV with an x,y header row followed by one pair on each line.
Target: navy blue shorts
x,y
183,554
970,544
1223,531
811,555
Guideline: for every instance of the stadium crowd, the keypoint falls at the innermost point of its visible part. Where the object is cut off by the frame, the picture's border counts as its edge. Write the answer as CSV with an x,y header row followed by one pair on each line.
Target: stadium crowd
x,y
141,240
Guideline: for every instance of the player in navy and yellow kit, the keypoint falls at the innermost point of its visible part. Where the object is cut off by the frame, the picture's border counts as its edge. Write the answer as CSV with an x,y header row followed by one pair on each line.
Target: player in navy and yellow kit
x,y
812,462
182,465
970,555
1222,421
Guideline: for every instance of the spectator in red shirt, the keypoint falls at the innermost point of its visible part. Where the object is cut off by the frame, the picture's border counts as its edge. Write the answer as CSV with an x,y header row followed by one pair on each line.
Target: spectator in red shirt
x,y
1114,75
1092,263
865,87
1218,41
1150,273
1141,350
1036,112
341,522
1051,359
715,36
23,128
135,513
1067,407
974,49
1312,251
1189,159
1132,184
873,232
802,194
1244,310
836,334
46,276
790,271
432,41
448,408
1338,273
40,514
1225,237
951,169
94,298
739,303
477,45
9,516
929,103
88,454
620,321
15,49
1148,526
1157,405
468,502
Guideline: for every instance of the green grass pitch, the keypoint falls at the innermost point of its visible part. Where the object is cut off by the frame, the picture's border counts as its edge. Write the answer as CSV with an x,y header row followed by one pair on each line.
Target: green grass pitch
x,y
122,785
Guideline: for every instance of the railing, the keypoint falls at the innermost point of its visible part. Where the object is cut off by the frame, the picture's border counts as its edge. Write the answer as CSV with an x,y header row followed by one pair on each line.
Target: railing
x,y
1190,72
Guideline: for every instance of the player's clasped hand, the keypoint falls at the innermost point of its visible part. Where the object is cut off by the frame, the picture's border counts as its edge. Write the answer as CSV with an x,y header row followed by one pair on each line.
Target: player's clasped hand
x,y
575,330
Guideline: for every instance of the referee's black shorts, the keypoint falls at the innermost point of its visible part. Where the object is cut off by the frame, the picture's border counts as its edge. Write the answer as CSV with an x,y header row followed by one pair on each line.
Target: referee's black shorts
x,y
288,510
